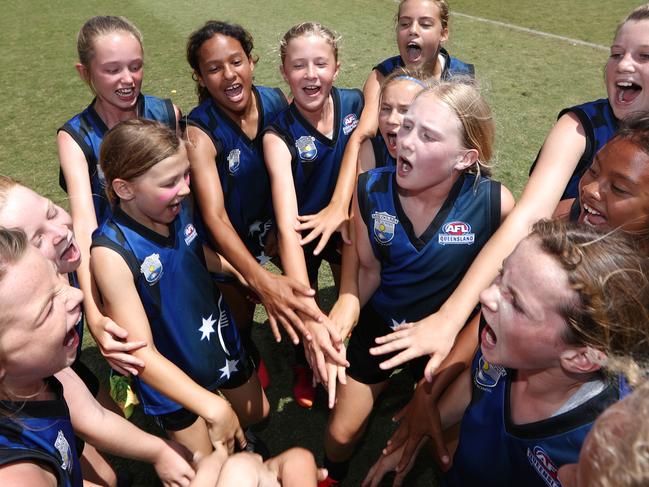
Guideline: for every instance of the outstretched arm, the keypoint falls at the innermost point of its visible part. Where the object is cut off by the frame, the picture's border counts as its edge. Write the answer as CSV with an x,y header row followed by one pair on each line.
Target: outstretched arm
x,y
335,215
280,295
122,303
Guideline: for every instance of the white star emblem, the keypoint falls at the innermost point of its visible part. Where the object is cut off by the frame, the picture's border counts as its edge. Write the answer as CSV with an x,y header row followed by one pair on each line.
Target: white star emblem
x,y
263,258
395,324
207,328
229,368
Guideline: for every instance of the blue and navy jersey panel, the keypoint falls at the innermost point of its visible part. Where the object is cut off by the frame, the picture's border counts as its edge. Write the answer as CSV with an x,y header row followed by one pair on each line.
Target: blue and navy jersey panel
x,y
382,157
452,66
418,273
493,451
241,167
316,158
88,130
189,319
41,432
599,124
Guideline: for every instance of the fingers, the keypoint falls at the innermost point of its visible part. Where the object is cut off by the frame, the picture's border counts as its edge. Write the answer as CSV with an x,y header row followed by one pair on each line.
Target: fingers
x,y
439,445
112,346
312,235
114,329
295,339
345,234
275,329
331,385
334,334
123,371
334,355
432,366
241,439
321,474
125,361
402,358
402,332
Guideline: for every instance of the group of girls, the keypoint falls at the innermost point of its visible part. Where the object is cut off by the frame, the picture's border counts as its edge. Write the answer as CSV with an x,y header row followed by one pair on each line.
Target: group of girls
x,y
170,281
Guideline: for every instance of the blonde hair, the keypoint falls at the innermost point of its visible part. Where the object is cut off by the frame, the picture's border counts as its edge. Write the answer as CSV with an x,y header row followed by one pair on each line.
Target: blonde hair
x,y
6,185
132,147
98,26
405,74
618,451
308,29
443,11
478,127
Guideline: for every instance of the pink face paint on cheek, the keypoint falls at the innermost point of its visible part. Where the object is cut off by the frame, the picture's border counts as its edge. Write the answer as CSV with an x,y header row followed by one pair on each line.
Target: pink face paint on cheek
x,y
168,195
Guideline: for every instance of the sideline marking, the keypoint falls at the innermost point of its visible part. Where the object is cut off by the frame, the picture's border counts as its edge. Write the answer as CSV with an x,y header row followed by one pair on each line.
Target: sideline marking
x,y
532,31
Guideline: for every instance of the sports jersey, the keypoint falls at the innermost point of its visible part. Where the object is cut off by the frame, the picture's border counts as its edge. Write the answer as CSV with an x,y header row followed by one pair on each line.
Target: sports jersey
x,y
599,124
452,66
493,451
41,432
382,156
240,163
419,273
88,130
316,158
190,322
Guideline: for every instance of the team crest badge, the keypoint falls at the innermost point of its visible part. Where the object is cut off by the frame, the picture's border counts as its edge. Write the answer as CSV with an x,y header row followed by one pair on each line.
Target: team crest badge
x,y
190,233
384,226
488,375
456,233
306,148
63,447
152,268
544,466
349,123
233,160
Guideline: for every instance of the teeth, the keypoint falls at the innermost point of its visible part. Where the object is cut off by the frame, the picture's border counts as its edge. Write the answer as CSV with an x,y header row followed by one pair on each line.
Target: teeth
x,y
124,91
624,84
490,336
591,210
233,87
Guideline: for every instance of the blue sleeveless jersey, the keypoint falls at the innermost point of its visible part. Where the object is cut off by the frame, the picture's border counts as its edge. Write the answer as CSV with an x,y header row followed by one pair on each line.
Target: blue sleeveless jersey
x,y
493,451
419,273
190,322
452,66
382,157
88,130
316,158
600,125
41,432
241,167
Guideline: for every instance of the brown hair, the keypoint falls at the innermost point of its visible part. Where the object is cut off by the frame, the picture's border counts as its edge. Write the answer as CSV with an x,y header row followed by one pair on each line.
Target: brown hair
x,y
6,185
205,33
636,15
610,276
99,26
308,29
443,11
13,245
404,74
618,450
476,119
132,147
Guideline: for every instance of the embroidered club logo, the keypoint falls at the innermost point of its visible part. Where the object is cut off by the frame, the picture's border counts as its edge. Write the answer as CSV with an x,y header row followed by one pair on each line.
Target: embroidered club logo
x,y
544,466
306,148
152,268
190,233
349,123
233,160
63,447
384,226
455,233
487,375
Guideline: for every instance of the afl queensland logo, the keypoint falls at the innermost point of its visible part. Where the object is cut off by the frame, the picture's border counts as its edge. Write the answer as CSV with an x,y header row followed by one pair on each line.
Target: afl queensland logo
x,y
544,466
63,447
487,375
306,148
384,224
190,233
456,232
349,123
233,160
152,268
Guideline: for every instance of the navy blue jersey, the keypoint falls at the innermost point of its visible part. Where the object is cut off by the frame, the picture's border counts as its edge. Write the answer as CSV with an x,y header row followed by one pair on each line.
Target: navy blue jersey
x,y
382,157
316,158
41,432
599,123
190,322
493,451
419,273
241,167
452,66
88,130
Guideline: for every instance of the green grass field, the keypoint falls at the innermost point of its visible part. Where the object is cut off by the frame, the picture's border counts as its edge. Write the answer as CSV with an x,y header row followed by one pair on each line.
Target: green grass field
x,y
527,78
